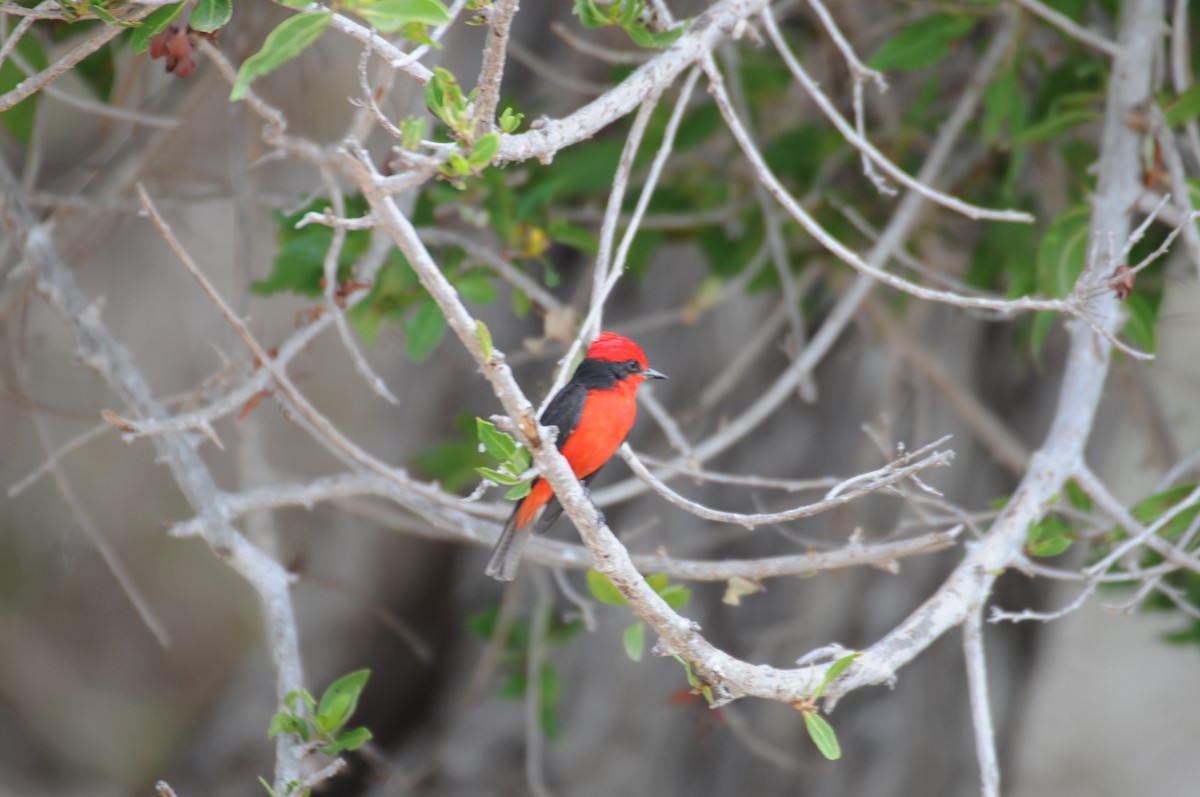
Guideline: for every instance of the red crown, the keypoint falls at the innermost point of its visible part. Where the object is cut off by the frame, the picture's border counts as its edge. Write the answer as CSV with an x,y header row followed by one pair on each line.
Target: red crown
x,y
611,347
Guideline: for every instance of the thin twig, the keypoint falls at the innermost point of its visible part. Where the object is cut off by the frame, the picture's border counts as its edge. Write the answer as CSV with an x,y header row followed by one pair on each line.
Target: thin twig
x,y
1071,28
867,148
31,85
495,51
981,710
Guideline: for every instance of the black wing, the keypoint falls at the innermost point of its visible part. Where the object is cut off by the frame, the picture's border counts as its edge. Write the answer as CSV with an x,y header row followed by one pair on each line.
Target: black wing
x,y
565,409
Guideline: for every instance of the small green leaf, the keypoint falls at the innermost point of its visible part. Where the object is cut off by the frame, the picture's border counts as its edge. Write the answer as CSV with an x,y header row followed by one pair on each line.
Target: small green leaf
x,y
497,443
1077,498
411,132
564,232
340,699
392,15
1052,546
835,669
1063,251
107,17
484,336
300,697
348,741
211,15
483,150
658,581
477,287
1049,537
923,43
644,37
1183,108
510,120
287,41
634,640
520,461
287,722
425,330
483,622
497,476
676,595
821,732
603,590
1054,125
155,23
519,492
1140,328
590,15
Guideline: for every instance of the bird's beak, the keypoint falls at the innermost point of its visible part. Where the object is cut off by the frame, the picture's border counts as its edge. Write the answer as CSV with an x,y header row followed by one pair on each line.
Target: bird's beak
x,y
650,373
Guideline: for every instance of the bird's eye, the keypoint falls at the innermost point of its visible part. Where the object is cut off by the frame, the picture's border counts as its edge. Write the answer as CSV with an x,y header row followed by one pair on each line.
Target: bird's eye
x,y
633,366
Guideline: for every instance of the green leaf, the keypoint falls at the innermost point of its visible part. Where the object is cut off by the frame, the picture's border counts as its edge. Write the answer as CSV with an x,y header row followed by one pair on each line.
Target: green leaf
x,y
211,15
1140,328
155,23
300,697
1151,509
484,336
1054,125
392,15
483,623
634,640
107,17
658,581
835,670
1077,498
519,492
484,150
267,786
590,16
19,119
497,476
347,741
644,37
564,232
340,700
287,41
1062,252
425,330
287,722
477,287
1043,321
923,43
497,443
821,732
676,595
510,120
1050,536
603,590
1183,108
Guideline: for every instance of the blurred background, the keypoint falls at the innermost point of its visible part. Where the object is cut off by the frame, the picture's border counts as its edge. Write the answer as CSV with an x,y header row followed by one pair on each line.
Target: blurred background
x,y
92,703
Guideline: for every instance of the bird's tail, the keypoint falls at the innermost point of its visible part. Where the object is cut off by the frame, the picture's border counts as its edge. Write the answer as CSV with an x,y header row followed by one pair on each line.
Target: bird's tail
x,y
507,553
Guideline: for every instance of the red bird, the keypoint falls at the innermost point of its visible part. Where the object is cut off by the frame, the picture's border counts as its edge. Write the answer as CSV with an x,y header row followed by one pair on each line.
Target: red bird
x,y
593,412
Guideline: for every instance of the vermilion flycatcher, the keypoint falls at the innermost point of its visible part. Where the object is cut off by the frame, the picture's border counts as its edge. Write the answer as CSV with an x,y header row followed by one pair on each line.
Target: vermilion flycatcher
x,y
593,412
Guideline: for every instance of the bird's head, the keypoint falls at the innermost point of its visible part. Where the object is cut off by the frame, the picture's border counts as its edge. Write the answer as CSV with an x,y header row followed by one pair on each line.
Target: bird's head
x,y
610,347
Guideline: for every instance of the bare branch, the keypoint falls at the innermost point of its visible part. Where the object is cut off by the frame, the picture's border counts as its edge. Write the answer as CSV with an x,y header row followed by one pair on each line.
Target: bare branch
x,y
890,474
1071,28
31,85
495,51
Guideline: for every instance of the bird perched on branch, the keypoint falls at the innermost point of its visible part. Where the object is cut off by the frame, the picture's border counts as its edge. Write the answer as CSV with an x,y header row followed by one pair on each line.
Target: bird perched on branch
x,y
593,412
